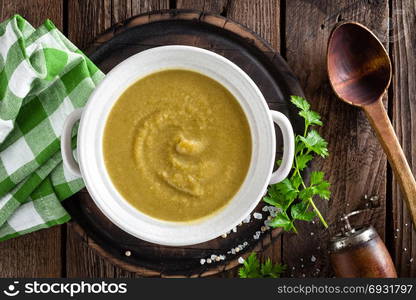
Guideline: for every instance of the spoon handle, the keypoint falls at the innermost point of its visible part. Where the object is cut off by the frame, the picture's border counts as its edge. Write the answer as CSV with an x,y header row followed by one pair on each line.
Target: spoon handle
x,y
380,121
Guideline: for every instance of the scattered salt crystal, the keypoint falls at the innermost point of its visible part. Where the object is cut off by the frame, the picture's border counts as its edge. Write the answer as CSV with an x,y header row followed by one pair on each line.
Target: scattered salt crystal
x,y
312,233
241,223
228,252
213,257
317,270
257,216
406,224
263,228
269,218
240,260
265,208
256,237
245,244
224,235
302,266
411,260
235,229
233,251
273,214
217,258
127,253
301,259
202,261
222,257
209,260
397,229
258,232
313,222
395,236
313,258
237,249
405,249
303,275
293,268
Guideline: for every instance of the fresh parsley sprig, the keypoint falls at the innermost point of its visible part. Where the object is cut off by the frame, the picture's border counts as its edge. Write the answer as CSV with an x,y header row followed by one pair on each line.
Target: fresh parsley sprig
x,y
252,268
293,196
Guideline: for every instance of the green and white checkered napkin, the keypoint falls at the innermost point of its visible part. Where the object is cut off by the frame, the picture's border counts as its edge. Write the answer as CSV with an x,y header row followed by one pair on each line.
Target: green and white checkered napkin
x,y
43,78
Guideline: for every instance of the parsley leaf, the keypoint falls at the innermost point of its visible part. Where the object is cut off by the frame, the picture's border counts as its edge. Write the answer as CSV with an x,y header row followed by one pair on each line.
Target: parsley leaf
x,y
252,268
300,103
314,142
293,196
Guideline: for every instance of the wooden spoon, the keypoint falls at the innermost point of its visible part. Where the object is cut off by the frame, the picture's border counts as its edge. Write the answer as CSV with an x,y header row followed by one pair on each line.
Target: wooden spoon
x,y
359,70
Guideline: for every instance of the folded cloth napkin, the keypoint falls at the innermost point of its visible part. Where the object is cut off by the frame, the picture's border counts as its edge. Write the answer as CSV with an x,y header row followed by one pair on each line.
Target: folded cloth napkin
x,y
43,78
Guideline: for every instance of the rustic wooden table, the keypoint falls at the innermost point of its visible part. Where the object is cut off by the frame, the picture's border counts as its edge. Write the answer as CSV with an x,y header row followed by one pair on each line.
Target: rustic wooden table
x,y
299,29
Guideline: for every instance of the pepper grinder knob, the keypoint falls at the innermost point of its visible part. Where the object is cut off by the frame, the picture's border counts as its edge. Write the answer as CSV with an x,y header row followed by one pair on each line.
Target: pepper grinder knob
x,y
360,252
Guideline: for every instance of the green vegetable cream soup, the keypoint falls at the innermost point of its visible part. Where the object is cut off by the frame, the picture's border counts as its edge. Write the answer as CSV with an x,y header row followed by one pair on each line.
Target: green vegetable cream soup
x,y
177,145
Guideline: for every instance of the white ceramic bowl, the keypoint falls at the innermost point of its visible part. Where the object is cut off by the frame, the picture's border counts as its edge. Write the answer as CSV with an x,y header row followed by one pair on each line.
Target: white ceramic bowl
x,y
260,118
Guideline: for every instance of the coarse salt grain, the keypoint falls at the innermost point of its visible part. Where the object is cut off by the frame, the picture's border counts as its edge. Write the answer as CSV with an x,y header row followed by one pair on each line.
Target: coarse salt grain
x,y
411,260
313,258
127,253
257,216
247,219
209,260
235,229
224,236
240,260
213,256
265,208
202,261
217,258
245,244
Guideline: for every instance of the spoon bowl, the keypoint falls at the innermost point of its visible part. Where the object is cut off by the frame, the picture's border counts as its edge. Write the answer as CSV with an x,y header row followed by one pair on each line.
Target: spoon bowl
x,y
358,65
359,71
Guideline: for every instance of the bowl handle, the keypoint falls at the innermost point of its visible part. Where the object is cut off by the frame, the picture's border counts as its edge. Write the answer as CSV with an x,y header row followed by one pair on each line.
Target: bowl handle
x,y
66,138
288,147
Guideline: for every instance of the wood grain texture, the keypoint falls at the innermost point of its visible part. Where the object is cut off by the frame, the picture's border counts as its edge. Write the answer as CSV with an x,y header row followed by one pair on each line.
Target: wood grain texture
x,y
356,165
403,108
86,19
263,17
37,254
212,6
35,11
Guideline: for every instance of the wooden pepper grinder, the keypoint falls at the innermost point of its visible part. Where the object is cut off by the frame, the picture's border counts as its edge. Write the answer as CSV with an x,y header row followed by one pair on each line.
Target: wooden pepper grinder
x,y
360,252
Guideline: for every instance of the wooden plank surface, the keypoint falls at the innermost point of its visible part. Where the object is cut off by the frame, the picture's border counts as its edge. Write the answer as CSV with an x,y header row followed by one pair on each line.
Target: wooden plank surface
x,y
37,254
357,165
403,106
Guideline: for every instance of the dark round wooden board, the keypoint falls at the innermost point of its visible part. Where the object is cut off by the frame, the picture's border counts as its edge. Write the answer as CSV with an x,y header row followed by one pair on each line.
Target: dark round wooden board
x,y
240,45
